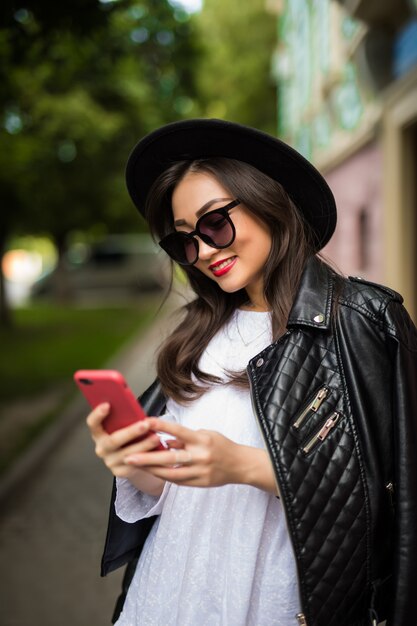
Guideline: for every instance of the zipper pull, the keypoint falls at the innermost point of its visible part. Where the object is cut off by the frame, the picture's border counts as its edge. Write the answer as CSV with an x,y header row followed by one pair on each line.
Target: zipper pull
x,y
323,432
314,406
331,422
390,488
319,398
301,619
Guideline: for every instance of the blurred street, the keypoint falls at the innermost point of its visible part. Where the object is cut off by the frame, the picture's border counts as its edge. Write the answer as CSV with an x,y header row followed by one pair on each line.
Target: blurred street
x,y
53,525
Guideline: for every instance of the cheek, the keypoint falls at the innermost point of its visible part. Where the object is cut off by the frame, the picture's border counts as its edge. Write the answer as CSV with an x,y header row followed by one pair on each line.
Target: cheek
x,y
256,243
253,233
202,267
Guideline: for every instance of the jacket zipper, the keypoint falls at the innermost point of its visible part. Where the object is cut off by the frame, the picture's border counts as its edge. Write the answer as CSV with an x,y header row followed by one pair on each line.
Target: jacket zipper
x,y
323,432
313,406
301,618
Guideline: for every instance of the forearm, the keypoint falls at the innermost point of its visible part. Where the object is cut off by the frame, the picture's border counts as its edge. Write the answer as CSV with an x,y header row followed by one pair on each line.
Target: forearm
x,y
143,481
256,469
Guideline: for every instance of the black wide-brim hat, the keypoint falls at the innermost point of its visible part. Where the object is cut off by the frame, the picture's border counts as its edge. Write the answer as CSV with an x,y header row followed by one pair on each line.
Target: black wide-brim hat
x,y
200,138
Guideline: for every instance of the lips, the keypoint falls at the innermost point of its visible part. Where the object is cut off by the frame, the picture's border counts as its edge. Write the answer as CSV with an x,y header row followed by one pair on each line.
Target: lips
x,y
222,267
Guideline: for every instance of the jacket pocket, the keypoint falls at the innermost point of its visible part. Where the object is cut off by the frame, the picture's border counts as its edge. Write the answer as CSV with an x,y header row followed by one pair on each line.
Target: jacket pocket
x,y
322,433
312,406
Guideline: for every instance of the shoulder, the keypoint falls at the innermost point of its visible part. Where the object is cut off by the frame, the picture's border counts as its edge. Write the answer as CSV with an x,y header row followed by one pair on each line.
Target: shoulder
x,y
324,289
359,292
380,304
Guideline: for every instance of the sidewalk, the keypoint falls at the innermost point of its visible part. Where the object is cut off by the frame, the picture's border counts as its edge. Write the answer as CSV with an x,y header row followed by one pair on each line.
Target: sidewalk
x,y
54,514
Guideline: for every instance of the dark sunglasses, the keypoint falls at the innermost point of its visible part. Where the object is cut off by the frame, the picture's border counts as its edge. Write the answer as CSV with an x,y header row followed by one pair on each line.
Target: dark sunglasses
x,y
215,228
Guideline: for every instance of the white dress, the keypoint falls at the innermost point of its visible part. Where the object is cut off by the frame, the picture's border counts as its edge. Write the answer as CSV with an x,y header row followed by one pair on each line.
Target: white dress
x,y
220,556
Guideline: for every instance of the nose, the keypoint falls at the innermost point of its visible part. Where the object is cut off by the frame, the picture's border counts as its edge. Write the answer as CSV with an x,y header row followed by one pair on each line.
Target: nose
x,y
205,252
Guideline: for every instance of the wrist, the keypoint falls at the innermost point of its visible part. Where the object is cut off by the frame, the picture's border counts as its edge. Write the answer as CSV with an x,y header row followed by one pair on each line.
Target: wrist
x,y
143,481
257,470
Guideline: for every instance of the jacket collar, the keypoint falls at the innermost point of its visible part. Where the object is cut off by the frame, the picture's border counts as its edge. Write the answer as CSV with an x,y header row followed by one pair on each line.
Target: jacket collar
x,y
313,301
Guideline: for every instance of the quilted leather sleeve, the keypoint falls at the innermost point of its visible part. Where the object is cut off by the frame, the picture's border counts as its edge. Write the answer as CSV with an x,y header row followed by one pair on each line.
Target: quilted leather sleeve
x,y
124,541
403,347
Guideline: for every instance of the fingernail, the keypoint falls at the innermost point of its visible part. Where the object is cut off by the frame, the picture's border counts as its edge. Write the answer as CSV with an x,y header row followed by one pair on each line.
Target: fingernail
x,y
104,408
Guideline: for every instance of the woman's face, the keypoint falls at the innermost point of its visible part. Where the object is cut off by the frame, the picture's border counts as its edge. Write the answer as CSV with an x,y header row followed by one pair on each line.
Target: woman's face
x,y
241,265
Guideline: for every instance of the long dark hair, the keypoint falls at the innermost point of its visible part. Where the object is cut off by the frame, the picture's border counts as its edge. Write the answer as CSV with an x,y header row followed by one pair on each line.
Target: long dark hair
x,y
178,359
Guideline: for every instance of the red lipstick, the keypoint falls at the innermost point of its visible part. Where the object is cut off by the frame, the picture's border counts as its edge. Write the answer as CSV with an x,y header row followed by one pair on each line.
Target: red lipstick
x,y
225,269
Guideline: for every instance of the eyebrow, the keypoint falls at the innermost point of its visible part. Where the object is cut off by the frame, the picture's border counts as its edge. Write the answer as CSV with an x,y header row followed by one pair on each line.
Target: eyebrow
x,y
201,211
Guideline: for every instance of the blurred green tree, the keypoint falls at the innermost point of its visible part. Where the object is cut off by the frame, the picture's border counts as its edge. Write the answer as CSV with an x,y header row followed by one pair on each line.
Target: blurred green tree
x,y
80,82
234,77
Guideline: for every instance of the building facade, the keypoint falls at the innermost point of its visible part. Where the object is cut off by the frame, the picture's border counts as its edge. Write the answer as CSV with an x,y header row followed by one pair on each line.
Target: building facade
x,y
346,74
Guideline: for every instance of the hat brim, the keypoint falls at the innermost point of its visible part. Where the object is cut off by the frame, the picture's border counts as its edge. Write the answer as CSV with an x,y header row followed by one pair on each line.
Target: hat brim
x,y
202,138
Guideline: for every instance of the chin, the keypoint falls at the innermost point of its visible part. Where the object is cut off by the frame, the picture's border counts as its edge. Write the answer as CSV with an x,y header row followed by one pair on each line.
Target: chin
x,y
231,286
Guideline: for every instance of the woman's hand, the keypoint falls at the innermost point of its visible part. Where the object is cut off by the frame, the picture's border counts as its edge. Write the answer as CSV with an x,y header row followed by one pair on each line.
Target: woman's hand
x,y
113,449
205,459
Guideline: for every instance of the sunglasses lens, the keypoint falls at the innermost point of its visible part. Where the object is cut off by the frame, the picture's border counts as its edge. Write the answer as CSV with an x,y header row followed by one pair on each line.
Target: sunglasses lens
x,y
190,248
183,249
217,229
214,228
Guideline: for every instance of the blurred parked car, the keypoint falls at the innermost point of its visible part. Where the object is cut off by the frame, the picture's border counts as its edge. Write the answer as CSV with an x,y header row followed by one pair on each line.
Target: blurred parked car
x,y
117,264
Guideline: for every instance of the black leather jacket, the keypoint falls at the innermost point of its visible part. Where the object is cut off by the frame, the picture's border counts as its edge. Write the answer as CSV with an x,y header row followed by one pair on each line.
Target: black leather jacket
x,y
336,400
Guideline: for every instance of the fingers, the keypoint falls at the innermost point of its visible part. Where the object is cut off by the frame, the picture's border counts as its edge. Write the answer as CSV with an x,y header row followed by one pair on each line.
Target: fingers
x,y
181,473
187,435
183,457
113,448
167,458
96,417
122,437
174,443
170,458
108,444
116,458
134,438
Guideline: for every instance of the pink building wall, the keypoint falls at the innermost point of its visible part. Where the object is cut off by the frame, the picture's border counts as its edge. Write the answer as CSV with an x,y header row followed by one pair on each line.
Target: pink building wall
x,y
356,247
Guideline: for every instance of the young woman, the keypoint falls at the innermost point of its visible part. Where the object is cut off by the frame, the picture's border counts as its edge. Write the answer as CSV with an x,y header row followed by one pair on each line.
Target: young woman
x,y
289,494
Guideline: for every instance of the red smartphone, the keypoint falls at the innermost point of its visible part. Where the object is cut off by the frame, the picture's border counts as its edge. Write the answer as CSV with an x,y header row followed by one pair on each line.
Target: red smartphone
x,y
100,386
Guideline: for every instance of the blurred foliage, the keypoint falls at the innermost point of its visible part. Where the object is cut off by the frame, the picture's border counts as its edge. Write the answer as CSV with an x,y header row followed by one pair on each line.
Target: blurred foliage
x,y
80,82
76,93
234,79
